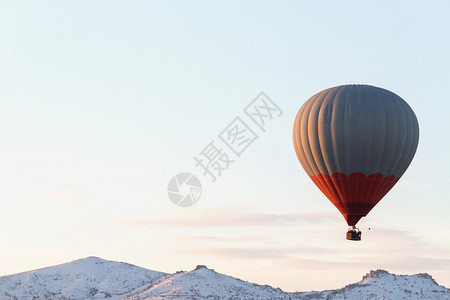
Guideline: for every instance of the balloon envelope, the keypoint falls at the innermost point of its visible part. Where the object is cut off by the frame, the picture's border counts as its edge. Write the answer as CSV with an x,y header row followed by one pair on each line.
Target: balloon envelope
x,y
355,142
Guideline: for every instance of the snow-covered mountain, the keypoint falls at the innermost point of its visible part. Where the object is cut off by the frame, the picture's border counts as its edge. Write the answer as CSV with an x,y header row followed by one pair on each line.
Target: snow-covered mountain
x,y
95,278
87,278
380,284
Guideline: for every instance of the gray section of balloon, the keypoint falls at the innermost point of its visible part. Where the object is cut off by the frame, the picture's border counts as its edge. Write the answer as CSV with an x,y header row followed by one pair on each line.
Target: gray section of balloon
x,y
356,128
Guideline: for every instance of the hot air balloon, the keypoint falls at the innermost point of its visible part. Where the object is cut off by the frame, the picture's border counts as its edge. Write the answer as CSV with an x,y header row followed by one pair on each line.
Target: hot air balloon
x,y
355,142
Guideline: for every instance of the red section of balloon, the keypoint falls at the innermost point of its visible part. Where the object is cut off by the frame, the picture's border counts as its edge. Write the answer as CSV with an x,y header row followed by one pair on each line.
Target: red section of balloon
x,y
355,142
355,195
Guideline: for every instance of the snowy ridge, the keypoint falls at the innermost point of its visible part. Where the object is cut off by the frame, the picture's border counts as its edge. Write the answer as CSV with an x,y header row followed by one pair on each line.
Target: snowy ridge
x,y
382,284
87,278
95,278
204,283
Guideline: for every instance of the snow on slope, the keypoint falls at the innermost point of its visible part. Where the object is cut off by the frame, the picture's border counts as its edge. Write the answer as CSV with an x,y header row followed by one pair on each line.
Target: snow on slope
x,y
87,278
203,283
95,278
380,284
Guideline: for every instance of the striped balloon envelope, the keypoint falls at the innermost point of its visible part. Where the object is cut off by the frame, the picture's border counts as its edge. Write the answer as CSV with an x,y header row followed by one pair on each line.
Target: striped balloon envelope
x,y
355,142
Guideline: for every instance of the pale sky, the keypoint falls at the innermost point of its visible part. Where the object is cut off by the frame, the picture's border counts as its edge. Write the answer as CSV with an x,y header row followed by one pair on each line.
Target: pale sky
x,y
102,103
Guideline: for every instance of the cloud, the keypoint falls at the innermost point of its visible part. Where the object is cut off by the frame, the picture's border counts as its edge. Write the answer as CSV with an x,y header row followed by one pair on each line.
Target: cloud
x,y
295,242
389,241
202,239
253,253
236,253
393,263
393,238
220,217
419,263
385,248
316,264
66,197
